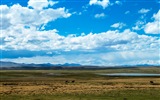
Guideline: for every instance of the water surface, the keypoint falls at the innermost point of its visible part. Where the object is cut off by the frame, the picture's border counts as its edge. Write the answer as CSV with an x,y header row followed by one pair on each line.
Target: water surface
x,y
129,74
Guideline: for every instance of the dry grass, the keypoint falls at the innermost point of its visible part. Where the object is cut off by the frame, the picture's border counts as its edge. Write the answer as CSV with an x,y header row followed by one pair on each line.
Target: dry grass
x,y
92,86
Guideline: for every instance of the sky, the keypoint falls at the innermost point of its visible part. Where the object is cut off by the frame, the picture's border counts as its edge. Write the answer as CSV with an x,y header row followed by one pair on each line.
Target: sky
x,y
86,32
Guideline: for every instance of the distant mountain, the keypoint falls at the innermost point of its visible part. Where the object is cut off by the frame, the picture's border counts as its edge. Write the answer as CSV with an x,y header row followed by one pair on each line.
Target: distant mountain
x,y
12,65
69,65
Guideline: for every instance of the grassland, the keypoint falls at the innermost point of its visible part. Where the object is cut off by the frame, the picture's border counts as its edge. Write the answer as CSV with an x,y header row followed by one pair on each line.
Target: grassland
x,y
78,85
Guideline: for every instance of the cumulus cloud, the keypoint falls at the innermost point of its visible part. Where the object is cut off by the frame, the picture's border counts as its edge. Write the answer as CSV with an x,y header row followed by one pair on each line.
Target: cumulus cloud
x,y
40,4
16,14
153,27
101,15
118,25
105,48
50,40
143,11
103,3
5,22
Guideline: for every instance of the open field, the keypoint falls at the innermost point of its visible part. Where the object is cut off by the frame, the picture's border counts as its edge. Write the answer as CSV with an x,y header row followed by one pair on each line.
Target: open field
x,y
78,85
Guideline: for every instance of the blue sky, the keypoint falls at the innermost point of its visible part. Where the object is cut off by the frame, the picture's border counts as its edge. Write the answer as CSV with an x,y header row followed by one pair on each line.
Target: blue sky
x,y
87,32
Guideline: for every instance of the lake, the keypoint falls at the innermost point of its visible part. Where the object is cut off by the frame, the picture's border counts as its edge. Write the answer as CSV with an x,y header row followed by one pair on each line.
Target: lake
x,y
129,74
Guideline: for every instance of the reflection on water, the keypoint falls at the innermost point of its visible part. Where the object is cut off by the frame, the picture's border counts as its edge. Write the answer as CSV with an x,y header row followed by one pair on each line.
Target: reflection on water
x,y
129,74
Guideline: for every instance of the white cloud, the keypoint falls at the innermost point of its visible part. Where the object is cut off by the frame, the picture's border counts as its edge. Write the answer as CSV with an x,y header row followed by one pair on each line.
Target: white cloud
x,y
51,40
118,25
139,25
136,28
16,14
127,12
4,9
103,3
40,4
4,21
143,11
101,15
157,16
18,22
118,2
153,27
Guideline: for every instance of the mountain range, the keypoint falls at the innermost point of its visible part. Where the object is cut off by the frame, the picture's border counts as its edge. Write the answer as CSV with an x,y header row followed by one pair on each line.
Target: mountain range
x,y
21,66
13,65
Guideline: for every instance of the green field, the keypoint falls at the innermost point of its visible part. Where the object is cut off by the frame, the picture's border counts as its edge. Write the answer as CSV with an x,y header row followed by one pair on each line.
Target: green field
x,y
78,85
